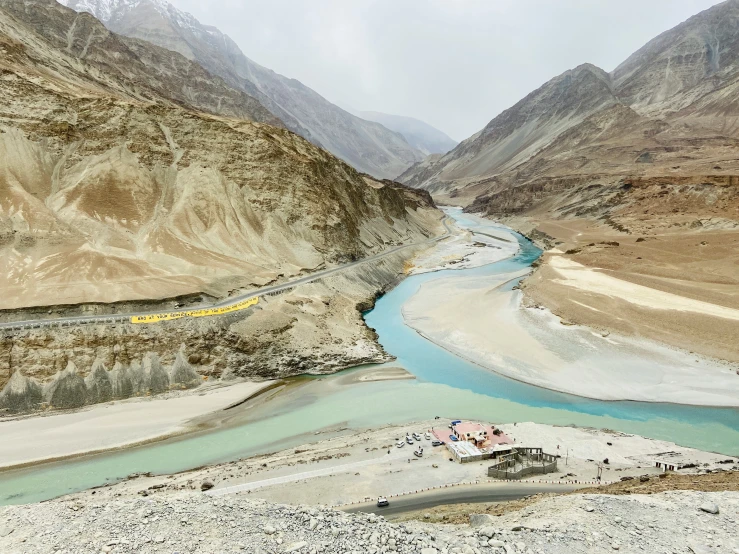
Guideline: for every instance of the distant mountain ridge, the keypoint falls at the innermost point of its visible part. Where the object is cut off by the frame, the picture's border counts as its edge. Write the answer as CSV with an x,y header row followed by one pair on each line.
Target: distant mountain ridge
x,y
419,134
671,100
368,146
127,171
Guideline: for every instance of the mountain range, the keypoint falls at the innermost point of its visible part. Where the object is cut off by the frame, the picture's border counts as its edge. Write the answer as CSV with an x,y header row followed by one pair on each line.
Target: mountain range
x,y
366,145
668,110
630,182
128,171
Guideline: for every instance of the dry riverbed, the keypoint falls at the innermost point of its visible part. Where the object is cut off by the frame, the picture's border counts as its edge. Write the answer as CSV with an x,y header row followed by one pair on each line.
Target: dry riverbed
x,y
466,249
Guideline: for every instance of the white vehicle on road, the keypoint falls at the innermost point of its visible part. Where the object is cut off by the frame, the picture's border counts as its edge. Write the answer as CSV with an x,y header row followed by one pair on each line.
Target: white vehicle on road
x,y
428,436
400,444
417,436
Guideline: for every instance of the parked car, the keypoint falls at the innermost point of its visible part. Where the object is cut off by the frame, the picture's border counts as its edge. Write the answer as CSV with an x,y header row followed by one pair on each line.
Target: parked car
x,y
382,502
417,436
409,440
436,443
454,439
428,436
418,452
400,444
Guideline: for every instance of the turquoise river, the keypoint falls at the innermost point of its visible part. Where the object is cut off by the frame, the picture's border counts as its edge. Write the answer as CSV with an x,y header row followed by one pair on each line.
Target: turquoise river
x,y
445,385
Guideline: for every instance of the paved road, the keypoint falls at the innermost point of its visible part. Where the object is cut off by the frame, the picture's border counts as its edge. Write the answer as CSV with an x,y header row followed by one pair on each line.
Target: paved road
x,y
472,494
124,318
322,472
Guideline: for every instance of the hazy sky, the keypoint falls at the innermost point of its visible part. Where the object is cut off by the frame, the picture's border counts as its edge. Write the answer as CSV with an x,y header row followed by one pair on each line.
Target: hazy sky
x,y
455,64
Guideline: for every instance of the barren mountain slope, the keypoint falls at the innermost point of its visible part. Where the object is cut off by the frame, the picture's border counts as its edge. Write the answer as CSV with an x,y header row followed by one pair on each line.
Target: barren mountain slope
x,y
682,86
128,67
107,195
643,188
111,191
519,132
679,66
366,145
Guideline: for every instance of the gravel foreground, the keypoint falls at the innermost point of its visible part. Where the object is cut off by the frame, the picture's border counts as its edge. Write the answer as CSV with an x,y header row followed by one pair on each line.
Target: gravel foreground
x,y
671,522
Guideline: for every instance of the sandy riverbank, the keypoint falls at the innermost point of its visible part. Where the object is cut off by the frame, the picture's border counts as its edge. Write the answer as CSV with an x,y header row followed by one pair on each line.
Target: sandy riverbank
x,y
123,424
473,319
359,464
466,248
679,287
384,374
114,425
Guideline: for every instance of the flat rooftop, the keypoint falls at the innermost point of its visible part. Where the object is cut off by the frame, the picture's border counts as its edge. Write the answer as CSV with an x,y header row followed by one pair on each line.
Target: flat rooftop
x,y
466,449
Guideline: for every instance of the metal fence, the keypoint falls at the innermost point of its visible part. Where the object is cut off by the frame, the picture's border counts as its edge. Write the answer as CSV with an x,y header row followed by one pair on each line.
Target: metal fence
x,y
522,462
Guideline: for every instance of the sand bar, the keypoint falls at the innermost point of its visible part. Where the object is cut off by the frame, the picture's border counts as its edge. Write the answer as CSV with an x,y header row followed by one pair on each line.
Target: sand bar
x,y
113,425
470,317
480,244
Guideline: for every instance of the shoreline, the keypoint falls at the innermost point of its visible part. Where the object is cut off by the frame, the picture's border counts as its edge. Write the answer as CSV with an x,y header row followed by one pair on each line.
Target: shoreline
x,y
347,466
91,422
219,418
542,377
512,378
541,349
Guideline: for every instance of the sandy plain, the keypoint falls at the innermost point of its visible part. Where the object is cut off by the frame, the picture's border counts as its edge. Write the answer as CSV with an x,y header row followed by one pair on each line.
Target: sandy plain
x,y
475,319
680,288
479,319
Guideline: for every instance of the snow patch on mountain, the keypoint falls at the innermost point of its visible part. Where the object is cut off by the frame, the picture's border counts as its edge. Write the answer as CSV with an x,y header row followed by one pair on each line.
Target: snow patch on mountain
x,y
109,11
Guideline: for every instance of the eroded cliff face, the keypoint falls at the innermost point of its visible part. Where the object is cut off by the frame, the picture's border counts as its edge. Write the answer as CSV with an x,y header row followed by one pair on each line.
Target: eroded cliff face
x,y
315,328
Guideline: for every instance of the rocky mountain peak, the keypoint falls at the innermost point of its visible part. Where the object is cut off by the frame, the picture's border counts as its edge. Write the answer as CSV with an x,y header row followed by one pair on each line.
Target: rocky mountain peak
x,y
419,134
108,10
524,129
701,52
681,84
368,146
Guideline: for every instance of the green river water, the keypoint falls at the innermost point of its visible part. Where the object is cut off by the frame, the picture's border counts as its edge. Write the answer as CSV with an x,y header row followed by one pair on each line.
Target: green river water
x,y
445,385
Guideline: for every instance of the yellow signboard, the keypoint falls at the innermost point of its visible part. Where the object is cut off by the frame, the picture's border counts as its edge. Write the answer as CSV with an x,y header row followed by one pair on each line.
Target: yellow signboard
x,y
169,316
